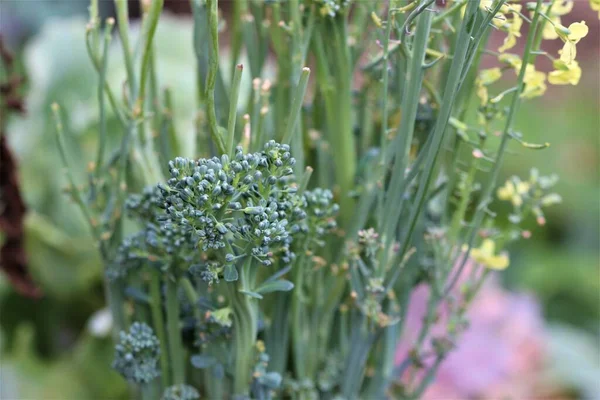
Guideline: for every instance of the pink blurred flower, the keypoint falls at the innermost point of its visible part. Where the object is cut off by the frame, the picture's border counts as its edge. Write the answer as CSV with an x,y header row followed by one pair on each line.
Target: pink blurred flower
x,y
498,356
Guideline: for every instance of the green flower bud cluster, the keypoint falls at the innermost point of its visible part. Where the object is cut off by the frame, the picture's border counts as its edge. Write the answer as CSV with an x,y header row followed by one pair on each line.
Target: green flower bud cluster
x,y
208,272
137,354
321,212
144,206
247,200
228,209
180,392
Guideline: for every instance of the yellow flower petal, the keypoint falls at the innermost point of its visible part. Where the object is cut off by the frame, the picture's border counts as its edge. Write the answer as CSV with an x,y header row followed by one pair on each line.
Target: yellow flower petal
x,y
535,83
498,262
499,20
507,191
489,76
579,30
485,256
522,187
487,247
565,74
482,93
511,59
568,52
509,42
562,7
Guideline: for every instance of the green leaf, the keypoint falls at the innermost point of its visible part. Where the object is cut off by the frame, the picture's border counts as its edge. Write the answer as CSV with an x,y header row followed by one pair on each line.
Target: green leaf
x,y
251,294
230,273
275,286
278,274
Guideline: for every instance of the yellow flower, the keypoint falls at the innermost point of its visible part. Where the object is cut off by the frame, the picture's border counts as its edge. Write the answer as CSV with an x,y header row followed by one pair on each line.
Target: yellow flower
x,y
559,9
512,26
511,59
535,83
523,187
565,74
486,77
595,5
571,36
485,256
513,192
507,191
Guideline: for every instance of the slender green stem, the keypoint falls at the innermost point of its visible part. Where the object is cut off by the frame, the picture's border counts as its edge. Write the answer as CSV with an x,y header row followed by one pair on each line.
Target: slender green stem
x,y
465,196
68,171
450,92
148,29
101,84
233,103
211,78
296,105
486,196
123,19
303,185
391,211
384,119
110,22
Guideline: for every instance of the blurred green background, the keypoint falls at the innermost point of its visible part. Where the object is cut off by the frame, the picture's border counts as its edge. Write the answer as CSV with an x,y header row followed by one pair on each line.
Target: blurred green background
x,y
47,348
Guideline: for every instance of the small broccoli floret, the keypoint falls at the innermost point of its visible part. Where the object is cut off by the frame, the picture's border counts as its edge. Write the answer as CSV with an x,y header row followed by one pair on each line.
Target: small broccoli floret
x,y
180,392
321,211
208,272
137,354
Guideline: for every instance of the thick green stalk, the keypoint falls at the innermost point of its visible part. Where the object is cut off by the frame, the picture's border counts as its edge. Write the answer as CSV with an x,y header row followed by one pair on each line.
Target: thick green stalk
x,y
158,323
278,336
245,323
176,354
150,390
299,324
356,362
335,85
115,300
